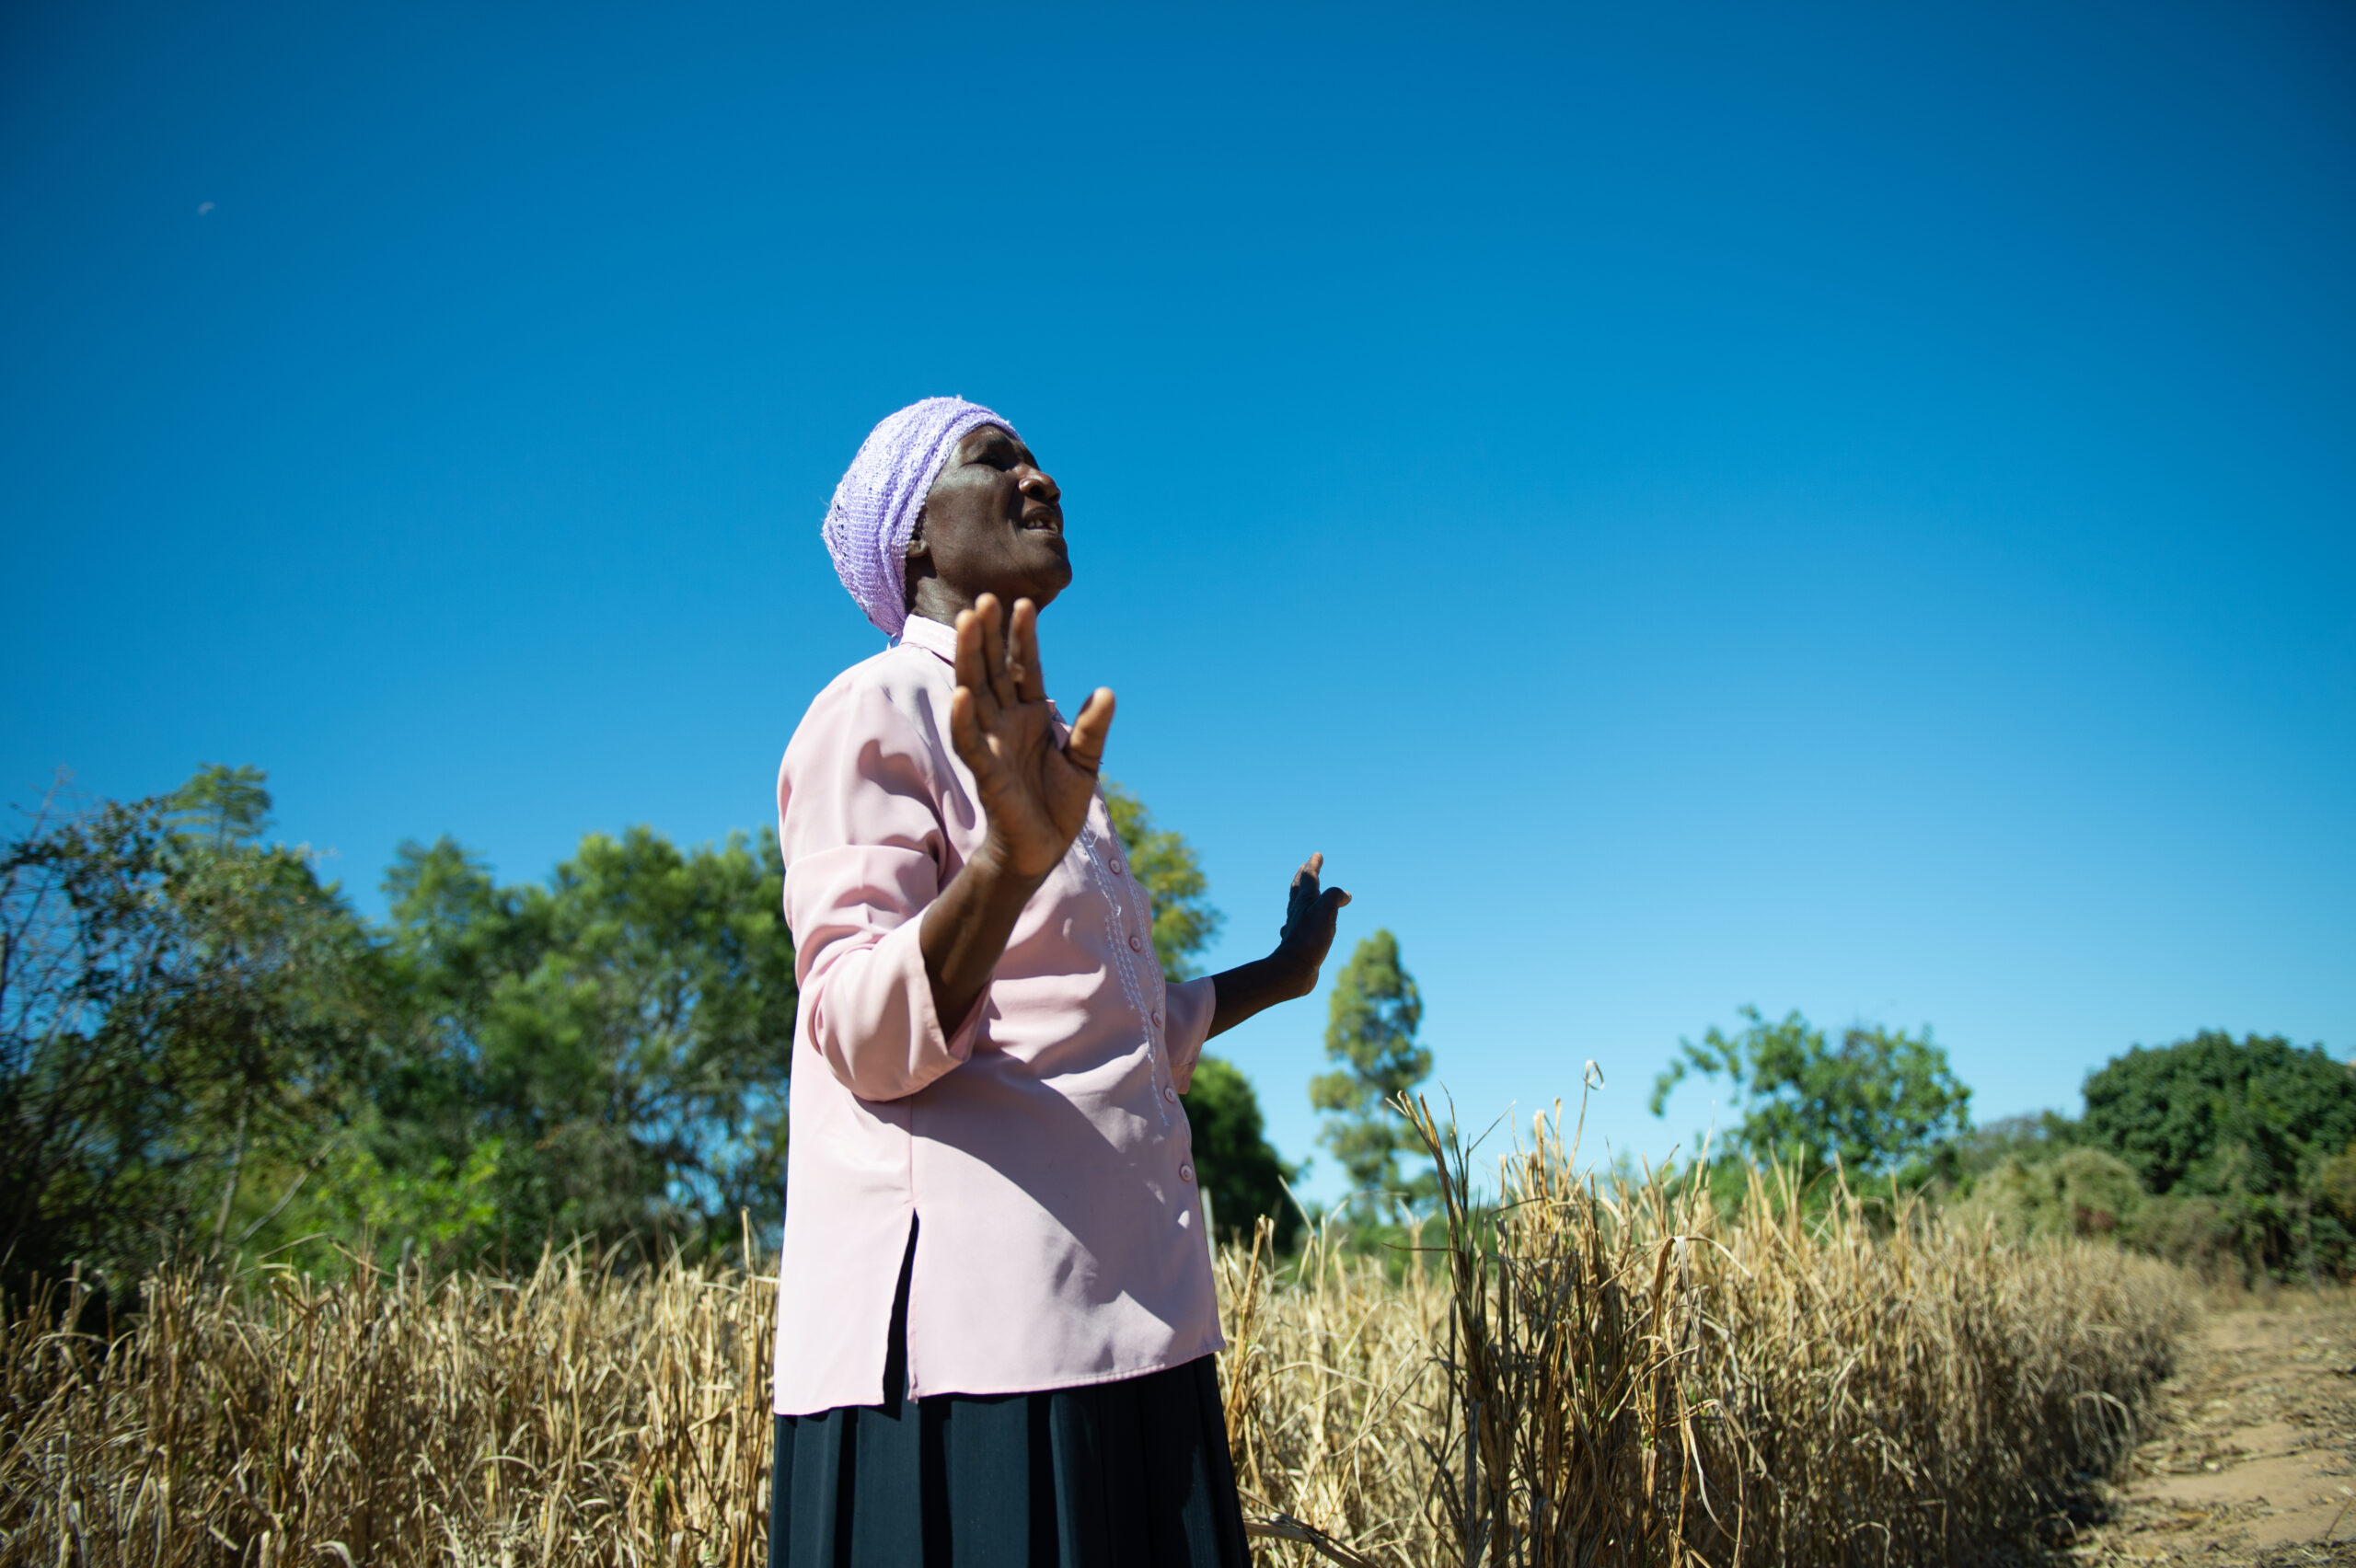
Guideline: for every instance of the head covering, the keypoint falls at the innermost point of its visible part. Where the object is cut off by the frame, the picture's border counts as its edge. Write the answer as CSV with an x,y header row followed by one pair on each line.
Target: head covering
x,y
874,511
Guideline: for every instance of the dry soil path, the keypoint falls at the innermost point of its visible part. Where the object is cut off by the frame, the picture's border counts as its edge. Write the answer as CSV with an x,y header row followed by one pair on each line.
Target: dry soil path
x,y
2252,1456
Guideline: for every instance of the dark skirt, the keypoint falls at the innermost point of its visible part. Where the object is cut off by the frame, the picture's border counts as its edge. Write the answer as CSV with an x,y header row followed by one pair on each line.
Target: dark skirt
x,y
1133,1474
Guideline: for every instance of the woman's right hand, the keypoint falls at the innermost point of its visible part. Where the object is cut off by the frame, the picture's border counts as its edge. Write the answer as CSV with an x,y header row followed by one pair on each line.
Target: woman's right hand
x,y
1034,789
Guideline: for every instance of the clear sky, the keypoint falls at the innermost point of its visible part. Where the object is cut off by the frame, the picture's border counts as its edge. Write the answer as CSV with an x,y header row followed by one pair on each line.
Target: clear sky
x,y
1851,510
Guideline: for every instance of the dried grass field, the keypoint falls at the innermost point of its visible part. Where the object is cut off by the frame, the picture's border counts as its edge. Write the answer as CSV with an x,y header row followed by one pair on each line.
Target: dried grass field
x,y
1579,1374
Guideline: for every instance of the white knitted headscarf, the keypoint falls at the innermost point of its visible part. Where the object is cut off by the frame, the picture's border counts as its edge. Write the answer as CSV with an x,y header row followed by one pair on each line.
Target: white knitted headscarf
x,y
873,513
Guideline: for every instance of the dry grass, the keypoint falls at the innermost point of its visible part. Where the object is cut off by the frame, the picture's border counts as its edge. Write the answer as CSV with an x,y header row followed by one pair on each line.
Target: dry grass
x,y
1331,1392
1634,1378
580,1415
1642,1381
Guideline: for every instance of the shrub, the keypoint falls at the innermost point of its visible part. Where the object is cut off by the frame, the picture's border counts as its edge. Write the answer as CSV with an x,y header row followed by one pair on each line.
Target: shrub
x,y
2076,1192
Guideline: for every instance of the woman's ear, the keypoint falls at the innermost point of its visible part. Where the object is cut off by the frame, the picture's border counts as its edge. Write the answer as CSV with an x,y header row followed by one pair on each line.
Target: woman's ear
x,y
916,565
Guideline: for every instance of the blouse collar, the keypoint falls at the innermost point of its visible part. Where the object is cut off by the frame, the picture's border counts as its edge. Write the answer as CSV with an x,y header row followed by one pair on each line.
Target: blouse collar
x,y
941,642
931,636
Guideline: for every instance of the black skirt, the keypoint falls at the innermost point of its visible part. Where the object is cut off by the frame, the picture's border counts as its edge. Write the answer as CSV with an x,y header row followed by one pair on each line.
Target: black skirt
x,y
1133,1474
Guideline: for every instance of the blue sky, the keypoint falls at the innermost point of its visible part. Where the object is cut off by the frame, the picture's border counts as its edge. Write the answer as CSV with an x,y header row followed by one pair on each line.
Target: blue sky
x,y
1849,509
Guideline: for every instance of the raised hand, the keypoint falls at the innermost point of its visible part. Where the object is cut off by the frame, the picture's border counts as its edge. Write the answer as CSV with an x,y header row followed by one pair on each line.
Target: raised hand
x,y
1034,789
1311,912
1310,915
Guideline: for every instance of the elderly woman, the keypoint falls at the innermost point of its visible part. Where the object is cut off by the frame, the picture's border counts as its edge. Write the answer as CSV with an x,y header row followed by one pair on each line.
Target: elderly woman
x,y
996,1314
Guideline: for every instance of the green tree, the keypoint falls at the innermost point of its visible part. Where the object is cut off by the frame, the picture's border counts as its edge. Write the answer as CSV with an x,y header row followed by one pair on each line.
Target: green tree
x,y
182,1012
1240,1172
2240,1142
604,1055
1875,1101
2212,1114
220,808
1376,1011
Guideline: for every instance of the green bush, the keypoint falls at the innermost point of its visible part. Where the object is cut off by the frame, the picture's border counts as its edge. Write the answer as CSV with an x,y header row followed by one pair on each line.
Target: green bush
x,y
2077,1191
2234,1158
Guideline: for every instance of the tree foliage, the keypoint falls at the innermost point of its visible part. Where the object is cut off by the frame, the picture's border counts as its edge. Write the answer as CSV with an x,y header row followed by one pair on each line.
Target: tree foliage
x,y
1240,1172
183,1015
1375,1012
204,1049
608,1052
1875,1101
2244,1146
2236,1158
2212,1115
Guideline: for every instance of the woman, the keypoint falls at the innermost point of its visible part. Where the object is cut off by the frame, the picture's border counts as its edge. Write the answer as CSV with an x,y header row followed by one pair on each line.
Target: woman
x,y
995,1314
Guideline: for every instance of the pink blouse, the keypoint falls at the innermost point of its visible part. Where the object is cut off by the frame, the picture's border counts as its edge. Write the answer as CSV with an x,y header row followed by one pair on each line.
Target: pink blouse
x,y
1040,1141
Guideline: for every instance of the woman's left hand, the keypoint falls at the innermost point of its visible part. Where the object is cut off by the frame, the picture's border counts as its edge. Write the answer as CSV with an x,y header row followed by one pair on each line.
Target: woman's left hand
x,y
1310,913
1310,916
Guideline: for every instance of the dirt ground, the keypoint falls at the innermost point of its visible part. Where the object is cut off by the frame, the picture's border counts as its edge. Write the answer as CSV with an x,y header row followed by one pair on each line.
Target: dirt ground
x,y
2250,1458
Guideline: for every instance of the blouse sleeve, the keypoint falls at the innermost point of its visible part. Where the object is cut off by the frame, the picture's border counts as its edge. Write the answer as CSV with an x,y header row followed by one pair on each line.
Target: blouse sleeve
x,y
863,846
1189,1006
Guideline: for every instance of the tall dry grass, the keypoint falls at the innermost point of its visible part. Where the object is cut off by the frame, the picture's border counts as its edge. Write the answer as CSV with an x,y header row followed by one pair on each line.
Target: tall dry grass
x,y
581,1416
1584,1374
1633,1377
1330,1394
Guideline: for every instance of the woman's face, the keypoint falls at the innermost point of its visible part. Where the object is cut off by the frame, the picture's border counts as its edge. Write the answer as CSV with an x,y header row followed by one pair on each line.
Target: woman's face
x,y
992,523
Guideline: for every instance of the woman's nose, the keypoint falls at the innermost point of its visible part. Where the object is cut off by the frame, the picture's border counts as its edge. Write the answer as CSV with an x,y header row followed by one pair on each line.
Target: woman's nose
x,y
1039,485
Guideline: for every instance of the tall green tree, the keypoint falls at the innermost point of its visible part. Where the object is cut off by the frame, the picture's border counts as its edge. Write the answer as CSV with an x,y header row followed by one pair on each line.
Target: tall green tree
x,y
1241,1171
1376,1011
605,1054
1874,1102
183,1010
